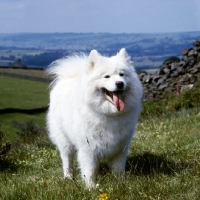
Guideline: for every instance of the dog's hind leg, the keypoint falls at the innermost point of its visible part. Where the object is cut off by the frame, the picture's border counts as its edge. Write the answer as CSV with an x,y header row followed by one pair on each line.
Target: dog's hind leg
x,y
117,164
67,156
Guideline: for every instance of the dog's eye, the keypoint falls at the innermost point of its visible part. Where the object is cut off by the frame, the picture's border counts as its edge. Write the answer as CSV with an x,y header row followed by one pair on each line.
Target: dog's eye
x,y
106,76
121,74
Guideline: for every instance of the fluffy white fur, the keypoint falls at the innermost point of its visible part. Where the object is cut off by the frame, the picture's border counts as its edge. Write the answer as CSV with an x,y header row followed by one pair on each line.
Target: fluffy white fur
x,y
83,116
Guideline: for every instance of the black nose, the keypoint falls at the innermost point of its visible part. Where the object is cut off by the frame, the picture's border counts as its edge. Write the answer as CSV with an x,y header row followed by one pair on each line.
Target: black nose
x,y
119,84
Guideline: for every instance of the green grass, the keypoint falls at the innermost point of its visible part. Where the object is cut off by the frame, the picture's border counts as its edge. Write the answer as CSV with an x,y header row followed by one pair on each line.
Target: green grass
x,y
164,161
185,100
7,119
21,93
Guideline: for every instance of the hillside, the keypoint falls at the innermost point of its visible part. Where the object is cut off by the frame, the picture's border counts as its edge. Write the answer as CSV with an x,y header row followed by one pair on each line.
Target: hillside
x,y
140,44
40,49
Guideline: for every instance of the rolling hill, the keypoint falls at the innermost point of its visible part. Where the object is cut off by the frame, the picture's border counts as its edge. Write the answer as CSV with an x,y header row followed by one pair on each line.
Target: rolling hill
x,y
147,50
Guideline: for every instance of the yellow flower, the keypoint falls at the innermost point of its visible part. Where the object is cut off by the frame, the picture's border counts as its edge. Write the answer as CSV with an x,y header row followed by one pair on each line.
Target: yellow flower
x,y
104,196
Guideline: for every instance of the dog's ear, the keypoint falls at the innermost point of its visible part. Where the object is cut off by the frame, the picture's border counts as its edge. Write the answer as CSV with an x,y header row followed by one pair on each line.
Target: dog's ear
x,y
124,55
93,58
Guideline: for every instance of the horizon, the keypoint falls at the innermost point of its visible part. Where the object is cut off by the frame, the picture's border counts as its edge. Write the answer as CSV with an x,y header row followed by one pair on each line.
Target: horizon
x,y
56,32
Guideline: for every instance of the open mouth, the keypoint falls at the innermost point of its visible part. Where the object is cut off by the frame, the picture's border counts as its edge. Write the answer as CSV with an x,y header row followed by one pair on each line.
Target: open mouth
x,y
117,98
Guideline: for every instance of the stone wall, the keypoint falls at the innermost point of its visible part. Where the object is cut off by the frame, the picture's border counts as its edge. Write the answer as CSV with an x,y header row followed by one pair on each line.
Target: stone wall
x,y
173,76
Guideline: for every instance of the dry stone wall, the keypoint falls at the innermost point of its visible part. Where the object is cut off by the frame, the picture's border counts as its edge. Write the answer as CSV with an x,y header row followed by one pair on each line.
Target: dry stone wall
x,y
173,76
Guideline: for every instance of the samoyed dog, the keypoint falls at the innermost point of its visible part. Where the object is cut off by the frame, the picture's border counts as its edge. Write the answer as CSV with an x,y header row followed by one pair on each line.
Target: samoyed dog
x,y
95,102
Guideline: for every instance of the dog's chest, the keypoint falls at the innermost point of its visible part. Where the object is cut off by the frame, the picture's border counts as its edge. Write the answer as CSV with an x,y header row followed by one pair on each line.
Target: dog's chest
x,y
107,139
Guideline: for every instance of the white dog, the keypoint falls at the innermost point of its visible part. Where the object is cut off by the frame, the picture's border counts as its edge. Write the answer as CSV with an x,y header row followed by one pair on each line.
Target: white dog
x,y
95,102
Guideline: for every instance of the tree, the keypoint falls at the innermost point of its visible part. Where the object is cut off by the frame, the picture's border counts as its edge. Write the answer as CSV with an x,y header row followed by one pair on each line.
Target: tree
x,y
172,59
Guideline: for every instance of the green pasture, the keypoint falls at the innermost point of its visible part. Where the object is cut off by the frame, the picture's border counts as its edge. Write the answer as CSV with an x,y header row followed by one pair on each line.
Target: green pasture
x,y
25,94
163,162
21,93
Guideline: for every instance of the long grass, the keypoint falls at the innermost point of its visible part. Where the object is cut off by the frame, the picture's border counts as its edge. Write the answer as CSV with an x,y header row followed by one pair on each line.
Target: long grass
x,y
163,163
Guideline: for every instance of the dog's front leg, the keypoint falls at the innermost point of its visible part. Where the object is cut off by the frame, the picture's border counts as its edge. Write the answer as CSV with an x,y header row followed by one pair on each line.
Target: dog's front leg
x,y
89,167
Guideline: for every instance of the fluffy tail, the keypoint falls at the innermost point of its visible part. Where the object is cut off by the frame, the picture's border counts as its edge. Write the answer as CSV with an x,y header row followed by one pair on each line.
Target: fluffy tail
x,y
67,67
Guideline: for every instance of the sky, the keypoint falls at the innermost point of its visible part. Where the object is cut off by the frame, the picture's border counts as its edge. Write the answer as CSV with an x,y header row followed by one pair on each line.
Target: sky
x,y
113,16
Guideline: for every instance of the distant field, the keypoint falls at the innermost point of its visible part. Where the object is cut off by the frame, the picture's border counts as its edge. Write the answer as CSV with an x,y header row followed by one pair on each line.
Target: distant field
x,y
19,52
30,72
20,93
148,50
8,56
5,62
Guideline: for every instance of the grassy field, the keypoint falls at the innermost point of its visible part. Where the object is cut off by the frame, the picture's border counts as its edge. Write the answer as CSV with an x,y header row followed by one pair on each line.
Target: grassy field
x,y
164,159
21,93
36,73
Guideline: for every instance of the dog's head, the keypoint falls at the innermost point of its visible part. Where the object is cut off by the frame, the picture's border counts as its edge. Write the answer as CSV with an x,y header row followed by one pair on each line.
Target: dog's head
x,y
111,83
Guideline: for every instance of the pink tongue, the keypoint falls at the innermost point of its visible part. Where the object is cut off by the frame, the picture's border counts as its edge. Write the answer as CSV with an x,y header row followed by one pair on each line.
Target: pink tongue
x,y
118,100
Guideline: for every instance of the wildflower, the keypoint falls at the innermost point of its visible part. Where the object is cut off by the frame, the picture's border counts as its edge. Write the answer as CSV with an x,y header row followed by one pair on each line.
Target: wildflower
x,y
104,196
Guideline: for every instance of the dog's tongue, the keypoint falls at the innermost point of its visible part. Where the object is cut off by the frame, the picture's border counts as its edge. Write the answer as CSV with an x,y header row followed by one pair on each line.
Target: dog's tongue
x,y
118,100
